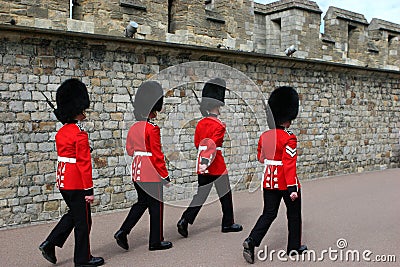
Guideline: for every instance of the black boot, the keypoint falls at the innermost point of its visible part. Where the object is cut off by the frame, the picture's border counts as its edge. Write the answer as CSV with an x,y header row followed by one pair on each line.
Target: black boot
x,y
248,250
233,228
160,246
94,261
183,227
122,239
48,251
302,249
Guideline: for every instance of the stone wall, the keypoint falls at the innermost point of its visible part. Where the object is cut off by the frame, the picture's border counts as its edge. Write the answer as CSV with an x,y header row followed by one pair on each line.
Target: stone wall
x,y
227,24
348,121
51,14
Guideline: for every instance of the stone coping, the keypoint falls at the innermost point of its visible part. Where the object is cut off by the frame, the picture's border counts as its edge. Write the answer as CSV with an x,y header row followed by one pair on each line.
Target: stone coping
x,y
213,54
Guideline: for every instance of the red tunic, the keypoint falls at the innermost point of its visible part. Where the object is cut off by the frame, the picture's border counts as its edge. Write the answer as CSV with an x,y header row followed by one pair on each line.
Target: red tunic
x,y
277,149
74,168
208,139
143,143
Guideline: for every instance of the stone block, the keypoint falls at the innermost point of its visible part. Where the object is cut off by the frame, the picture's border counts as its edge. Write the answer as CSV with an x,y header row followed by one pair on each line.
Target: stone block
x,y
33,208
43,23
121,99
52,205
31,168
117,198
37,12
80,26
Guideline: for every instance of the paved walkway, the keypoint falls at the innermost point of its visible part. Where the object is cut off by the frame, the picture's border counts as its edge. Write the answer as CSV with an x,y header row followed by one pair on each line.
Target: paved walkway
x,y
363,209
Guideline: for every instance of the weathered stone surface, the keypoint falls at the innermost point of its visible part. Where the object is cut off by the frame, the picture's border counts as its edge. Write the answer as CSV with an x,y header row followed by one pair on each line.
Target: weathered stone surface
x,y
225,24
344,124
51,205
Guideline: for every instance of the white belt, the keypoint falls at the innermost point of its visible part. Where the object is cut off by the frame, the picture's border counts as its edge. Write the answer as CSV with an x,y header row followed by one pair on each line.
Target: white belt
x,y
273,162
68,160
205,148
142,153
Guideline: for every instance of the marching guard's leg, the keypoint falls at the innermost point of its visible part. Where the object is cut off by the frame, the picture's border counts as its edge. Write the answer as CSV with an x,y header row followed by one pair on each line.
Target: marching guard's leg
x,y
293,214
135,213
203,190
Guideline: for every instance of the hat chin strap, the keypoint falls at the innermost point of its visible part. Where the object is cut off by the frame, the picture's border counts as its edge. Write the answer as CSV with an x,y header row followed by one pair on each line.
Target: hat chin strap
x,y
152,114
214,111
286,124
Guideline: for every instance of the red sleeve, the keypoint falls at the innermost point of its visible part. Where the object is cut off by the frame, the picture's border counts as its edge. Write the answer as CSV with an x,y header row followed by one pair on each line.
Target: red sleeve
x,y
208,146
83,160
196,136
218,135
157,159
207,151
289,159
260,154
129,143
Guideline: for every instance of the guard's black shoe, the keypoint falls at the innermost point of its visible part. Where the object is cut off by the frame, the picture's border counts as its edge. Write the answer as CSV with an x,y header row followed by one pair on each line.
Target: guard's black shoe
x,y
122,239
94,261
233,228
302,249
299,251
183,227
160,246
48,251
248,250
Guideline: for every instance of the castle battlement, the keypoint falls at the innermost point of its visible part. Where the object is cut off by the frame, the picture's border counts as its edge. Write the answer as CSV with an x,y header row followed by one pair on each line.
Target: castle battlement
x,y
227,24
290,4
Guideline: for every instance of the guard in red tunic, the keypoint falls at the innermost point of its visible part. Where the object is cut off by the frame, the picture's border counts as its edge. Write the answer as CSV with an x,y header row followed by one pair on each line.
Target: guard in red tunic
x,y
149,171
74,175
277,150
210,166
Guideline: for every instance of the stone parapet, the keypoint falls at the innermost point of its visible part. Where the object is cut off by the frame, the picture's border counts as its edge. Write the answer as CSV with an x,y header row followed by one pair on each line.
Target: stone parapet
x,y
226,24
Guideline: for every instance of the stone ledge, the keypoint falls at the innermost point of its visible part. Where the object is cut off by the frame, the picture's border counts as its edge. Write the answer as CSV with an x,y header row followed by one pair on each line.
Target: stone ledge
x,y
133,4
35,37
214,17
372,47
326,38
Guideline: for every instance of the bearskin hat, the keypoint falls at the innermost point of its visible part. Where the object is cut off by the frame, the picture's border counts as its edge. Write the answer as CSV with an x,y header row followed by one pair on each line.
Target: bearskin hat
x,y
213,95
149,97
284,106
72,99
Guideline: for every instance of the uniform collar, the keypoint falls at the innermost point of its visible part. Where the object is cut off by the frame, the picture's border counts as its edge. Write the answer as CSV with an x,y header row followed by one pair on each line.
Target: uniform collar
x,y
80,125
212,115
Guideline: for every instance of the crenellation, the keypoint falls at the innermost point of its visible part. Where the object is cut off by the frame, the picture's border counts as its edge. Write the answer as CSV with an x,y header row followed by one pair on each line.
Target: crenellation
x,y
283,5
226,24
348,30
384,36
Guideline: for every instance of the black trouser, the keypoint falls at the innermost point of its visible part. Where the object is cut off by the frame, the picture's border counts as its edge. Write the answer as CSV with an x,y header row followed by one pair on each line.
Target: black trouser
x,y
272,200
150,196
78,218
225,197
